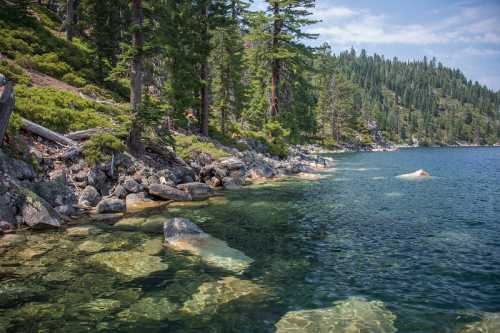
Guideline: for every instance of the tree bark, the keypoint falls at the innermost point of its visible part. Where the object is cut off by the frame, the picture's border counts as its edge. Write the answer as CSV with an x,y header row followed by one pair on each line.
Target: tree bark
x,y
70,16
204,79
7,102
87,134
134,139
275,75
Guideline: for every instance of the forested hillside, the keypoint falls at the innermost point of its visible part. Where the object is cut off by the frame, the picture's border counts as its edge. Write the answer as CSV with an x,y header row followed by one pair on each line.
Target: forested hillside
x,y
146,67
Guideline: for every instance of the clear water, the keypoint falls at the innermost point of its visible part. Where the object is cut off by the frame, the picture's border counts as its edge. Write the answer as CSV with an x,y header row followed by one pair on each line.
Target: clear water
x,y
428,249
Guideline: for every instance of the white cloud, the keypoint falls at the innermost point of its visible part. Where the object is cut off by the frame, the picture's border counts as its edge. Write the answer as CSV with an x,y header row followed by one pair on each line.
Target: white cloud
x,y
469,24
472,51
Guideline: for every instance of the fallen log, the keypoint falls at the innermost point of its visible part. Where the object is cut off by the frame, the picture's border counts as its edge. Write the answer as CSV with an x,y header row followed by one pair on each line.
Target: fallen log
x,y
7,101
87,134
46,133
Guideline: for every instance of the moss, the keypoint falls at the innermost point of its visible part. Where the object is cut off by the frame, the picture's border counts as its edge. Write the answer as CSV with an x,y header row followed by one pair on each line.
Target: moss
x,y
101,147
187,144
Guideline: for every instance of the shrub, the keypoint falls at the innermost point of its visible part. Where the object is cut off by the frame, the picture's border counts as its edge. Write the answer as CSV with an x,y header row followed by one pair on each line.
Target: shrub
x,y
50,64
101,148
277,138
58,110
187,144
14,72
74,80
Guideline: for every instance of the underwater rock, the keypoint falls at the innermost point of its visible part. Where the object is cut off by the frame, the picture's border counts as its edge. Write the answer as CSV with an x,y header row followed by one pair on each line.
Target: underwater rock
x,y
132,264
100,305
59,276
152,247
152,224
352,315
148,308
184,235
40,311
11,240
308,176
82,231
414,175
490,323
18,292
91,246
212,295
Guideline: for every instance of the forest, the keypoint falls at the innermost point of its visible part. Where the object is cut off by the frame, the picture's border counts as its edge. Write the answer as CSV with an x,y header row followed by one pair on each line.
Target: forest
x,y
222,70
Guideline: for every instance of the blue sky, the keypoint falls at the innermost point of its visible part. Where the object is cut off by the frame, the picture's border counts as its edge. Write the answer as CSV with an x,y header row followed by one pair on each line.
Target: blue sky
x,y
460,34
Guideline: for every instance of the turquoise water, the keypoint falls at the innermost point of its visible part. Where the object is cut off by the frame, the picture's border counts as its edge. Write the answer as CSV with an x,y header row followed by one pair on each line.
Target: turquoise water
x,y
428,249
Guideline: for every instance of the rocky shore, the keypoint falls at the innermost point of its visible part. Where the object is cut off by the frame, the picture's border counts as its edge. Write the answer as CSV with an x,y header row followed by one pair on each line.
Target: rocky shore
x,y
64,187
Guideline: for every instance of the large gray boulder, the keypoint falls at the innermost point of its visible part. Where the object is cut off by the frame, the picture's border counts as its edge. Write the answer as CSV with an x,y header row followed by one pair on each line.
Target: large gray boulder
x,y
56,191
168,192
198,191
230,183
89,196
37,212
178,228
110,205
231,163
131,185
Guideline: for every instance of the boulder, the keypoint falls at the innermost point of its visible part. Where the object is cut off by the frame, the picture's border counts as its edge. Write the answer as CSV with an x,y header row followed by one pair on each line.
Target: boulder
x,y
198,191
6,227
66,210
131,185
415,175
148,309
97,178
231,163
89,196
352,315
183,235
56,191
37,212
152,224
81,176
490,322
22,170
120,192
229,183
136,202
168,192
110,205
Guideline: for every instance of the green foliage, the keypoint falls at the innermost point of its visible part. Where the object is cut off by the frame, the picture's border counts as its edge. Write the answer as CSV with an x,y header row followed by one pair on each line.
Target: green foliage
x,y
187,144
62,111
74,80
100,148
276,139
14,72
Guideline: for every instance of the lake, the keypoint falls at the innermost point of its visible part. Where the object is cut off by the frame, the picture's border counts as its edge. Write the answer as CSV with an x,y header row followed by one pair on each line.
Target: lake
x,y
407,255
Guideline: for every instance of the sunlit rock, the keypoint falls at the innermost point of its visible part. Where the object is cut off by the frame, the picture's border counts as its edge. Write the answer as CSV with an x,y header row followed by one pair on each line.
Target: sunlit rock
x,y
40,311
132,264
18,292
184,235
152,247
352,315
136,202
212,295
148,308
415,175
11,240
59,276
100,305
490,323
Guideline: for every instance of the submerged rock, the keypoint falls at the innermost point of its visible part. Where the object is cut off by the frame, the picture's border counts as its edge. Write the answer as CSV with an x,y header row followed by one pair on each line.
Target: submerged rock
x,y
11,240
212,295
136,202
82,231
152,224
148,308
414,175
490,323
352,315
184,235
132,264
90,246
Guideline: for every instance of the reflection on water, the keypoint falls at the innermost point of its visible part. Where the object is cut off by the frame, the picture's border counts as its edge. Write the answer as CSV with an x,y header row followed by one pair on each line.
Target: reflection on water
x,y
351,252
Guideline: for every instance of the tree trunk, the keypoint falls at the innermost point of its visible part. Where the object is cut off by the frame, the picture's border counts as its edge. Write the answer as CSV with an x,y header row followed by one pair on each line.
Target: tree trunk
x,y
204,79
275,78
7,101
70,16
134,139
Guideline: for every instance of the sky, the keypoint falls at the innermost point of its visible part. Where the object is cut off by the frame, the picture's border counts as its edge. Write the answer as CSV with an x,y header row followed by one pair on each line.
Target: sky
x,y
460,34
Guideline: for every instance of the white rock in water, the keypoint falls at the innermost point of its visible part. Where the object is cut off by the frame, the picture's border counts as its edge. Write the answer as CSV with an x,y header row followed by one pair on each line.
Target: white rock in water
x,y
490,323
183,235
352,315
417,174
